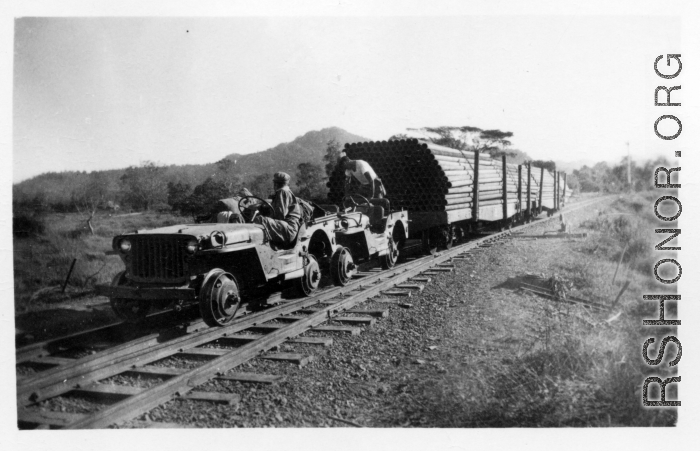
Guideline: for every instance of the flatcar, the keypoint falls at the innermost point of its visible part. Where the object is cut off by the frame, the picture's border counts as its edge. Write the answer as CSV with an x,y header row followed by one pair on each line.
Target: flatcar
x,y
449,193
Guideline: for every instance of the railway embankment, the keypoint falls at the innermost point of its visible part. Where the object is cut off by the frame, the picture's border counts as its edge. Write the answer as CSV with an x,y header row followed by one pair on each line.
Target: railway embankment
x,y
472,349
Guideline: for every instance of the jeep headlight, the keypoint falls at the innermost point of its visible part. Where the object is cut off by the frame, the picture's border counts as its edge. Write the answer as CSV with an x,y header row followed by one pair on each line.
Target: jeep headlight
x,y
192,246
124,245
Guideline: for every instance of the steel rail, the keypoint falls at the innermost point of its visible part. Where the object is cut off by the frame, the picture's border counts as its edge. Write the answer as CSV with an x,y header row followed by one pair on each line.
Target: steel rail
x,y
185,382
145,350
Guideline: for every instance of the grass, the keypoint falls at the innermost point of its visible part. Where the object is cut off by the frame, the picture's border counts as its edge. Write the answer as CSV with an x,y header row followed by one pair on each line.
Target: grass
x,y
42,259
582,369
588,371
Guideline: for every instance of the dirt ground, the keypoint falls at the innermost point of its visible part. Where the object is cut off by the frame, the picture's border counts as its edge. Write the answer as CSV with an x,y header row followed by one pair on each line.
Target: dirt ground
x,y
471,350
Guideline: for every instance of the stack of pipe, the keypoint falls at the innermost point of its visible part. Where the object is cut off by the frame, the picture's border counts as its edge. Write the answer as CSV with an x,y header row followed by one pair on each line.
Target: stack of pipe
x,y
421,176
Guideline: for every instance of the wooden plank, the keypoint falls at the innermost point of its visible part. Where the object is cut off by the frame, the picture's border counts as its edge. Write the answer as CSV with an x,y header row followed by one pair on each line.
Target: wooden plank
x,y
291,357
207,352
339,329
355,320
290,318
235,339
386,301
322,341
330,302
50,360
376,313
226,398
48,417
267,327
409,286
109,390
421,279
157,371
431,273
397,293
252,378
441,269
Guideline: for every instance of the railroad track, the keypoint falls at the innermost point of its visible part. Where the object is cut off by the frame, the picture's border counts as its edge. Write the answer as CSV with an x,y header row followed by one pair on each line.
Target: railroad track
x,y
233,346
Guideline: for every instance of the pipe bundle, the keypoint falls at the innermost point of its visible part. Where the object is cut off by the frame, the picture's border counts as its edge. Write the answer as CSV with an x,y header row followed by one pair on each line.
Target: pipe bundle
x,y
421,176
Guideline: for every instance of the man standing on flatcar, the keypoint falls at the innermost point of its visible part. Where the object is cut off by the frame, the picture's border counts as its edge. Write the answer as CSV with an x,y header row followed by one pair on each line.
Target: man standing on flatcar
x,y
284,224
360,172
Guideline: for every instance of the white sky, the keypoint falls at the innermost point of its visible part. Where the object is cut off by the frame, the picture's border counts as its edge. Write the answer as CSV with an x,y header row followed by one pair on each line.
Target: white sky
x,y
102,93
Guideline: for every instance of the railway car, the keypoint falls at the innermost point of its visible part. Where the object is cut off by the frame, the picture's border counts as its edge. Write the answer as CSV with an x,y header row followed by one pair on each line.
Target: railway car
x,y
450,193
219,266
216,266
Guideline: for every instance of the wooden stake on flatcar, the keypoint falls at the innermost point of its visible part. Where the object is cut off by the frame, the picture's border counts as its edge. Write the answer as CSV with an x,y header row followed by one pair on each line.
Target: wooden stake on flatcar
x,y
505,186
529,181
475,196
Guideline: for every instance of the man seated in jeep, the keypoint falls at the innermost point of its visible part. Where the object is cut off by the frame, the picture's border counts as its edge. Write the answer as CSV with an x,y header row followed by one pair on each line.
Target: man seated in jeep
x,y
226,210
283,226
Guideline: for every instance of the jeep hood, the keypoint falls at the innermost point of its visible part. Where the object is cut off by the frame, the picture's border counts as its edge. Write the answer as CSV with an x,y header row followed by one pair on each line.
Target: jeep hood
x,y
235,233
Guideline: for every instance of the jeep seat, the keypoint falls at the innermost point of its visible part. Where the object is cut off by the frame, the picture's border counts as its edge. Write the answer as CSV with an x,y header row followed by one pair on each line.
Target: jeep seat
x,y
292,244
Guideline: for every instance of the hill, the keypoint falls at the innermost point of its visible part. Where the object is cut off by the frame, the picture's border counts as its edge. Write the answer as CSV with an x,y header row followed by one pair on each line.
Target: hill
x,y
311,147
54,189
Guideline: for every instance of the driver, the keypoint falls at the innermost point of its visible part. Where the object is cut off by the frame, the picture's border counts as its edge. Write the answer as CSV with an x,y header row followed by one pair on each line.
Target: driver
x,y
226,210
284,224
370,186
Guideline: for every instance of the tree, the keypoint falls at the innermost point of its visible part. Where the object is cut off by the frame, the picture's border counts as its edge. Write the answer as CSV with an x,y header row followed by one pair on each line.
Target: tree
x,y
89,195
144,186
547,164
310,183
494,142
200,201
398,137
178,196
333,150
226,173
261,185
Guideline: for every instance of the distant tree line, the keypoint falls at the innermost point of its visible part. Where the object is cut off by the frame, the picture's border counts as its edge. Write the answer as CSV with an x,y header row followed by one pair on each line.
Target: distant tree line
x,y
152,186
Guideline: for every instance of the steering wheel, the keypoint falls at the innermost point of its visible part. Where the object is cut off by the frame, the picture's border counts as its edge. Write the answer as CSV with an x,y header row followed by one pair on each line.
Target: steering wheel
x,y
355,204
245,204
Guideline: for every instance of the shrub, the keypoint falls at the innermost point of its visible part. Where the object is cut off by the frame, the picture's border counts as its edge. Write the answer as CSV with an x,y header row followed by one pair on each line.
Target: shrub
x,y
25,225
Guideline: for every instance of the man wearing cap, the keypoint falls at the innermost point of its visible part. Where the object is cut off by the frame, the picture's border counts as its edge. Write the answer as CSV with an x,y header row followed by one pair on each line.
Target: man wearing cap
x,y
370,186
284,224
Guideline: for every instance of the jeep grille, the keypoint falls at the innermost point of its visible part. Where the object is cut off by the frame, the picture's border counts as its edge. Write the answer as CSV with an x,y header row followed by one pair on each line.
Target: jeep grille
x,y
158,258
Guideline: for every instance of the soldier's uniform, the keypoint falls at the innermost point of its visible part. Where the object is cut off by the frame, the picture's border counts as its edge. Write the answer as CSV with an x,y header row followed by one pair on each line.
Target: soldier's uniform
x,y
226,210
284,224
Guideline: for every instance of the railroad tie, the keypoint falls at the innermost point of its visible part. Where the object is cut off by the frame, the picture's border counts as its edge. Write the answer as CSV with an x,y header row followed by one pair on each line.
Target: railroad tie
x,y
44,419
108,390
291,357
225,398
338,329
251,378
383,313
397,293
355,320
321,341
410,286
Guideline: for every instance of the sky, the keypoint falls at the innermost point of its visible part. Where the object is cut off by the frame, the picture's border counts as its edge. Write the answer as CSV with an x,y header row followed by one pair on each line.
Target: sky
x,y
99,93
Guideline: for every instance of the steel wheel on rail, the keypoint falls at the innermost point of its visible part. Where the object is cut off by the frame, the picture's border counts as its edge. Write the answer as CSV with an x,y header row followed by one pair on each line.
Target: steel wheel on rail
x,y
308,283
342,267
219,298
129,310
388,260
